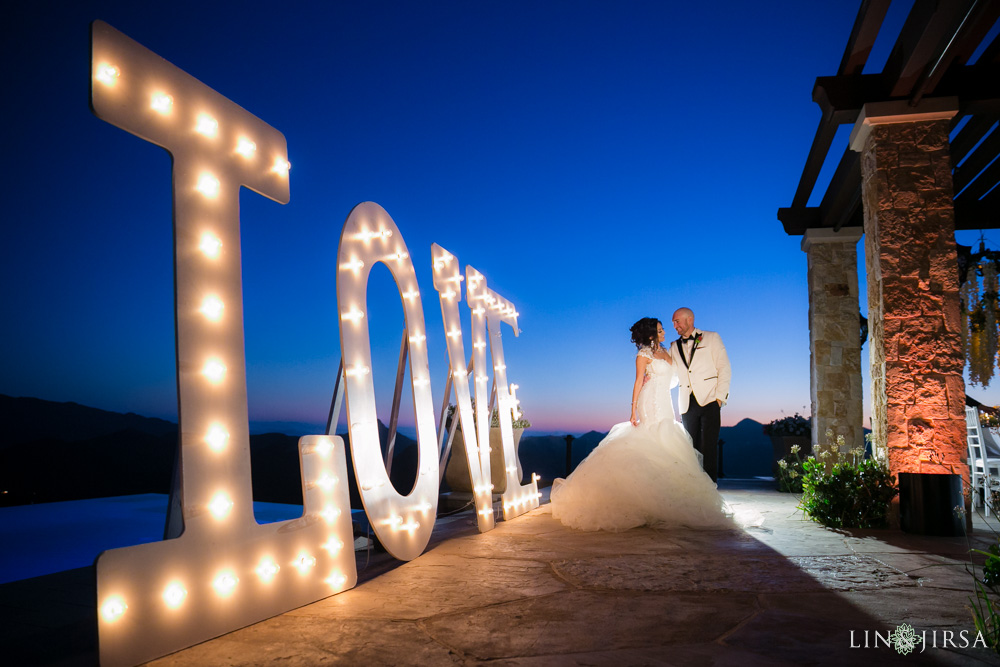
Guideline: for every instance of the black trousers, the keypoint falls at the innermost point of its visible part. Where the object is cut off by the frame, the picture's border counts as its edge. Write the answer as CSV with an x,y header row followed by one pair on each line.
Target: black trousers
x,y
703,423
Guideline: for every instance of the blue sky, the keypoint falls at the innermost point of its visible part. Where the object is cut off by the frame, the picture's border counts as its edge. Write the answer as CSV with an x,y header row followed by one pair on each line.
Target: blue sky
x,y
598,161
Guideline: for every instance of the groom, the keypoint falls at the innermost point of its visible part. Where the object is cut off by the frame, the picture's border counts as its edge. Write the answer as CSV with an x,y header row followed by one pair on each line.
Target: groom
x,y
703,367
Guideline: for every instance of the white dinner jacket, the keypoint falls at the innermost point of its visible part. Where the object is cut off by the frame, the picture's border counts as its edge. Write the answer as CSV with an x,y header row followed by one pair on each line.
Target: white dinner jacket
x,y
707,374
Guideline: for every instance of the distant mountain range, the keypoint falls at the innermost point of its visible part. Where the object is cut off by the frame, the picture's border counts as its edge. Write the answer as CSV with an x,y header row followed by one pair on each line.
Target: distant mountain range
x,y
65,451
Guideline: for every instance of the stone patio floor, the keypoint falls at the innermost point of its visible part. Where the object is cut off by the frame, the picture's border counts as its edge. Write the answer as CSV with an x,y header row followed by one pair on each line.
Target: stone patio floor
x,y
532,592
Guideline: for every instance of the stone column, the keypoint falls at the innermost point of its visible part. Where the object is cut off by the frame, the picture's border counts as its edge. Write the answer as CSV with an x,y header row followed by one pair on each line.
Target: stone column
x,y
918,393
834,336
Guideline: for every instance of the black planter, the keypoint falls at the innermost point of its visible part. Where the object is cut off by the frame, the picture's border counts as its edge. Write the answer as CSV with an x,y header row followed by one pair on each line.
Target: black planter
x,y
927,504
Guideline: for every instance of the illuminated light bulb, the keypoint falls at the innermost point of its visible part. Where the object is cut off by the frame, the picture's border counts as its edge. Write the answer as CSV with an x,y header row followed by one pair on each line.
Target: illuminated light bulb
x,y
455,333
326,482
212,308
515,387
458,278
421,382
208,185
323,447
479,345
411,294
409,526
206,125
332,545
354,315
113,608
174,595
500,367
281,166
267,569
161,103
214,370
220,506
304,563
417,339
486,512
336,580
512,469
107,74
358,370
398,256
449,294
478,310
481,378
245,147
210,245
354,265
217,438
460,373
330,514
422,507
535,477
225,583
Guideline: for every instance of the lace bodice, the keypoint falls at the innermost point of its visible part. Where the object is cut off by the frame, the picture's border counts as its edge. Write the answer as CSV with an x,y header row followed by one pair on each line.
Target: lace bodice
x,y
655,366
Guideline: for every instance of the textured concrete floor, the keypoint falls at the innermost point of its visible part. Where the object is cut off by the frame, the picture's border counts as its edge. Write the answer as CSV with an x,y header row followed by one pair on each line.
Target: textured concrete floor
x,y
532,592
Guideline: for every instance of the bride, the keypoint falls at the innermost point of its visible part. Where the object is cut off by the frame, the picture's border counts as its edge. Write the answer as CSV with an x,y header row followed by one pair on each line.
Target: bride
x,y
645,471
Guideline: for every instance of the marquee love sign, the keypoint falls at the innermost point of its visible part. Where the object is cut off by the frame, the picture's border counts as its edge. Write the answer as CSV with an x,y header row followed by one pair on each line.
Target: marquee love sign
x,y
224,571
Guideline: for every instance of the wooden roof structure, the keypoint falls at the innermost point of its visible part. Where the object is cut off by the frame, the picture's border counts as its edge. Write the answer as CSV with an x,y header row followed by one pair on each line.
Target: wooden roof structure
x,y
930,58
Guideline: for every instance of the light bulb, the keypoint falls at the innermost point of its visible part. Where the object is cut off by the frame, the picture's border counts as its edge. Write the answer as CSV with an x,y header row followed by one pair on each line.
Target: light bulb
x,y
333,545
330,514
354,315
208,185
357,370
398,256
304,563
354,265
206,125
323,447
161,103
281,166
421,382
214,370
220,505
225,582
326,482
267,569
245,147
217,438
113,608
455,333
417,339
174,595
411,294
212,308
107,74
210,245
336,580
448,294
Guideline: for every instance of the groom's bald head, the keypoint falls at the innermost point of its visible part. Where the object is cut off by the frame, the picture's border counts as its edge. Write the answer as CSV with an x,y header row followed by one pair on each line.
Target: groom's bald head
x,y
683,321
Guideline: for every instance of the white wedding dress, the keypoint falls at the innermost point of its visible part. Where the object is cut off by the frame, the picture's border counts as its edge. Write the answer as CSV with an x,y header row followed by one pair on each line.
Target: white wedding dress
x,y
648,474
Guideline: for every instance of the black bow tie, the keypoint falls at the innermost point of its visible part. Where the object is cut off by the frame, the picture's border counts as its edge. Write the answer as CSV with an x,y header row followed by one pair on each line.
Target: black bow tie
x,y
688,339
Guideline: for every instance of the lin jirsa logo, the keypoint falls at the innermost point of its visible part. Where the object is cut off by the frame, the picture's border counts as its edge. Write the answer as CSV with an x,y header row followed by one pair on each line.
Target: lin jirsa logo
x,y
904,639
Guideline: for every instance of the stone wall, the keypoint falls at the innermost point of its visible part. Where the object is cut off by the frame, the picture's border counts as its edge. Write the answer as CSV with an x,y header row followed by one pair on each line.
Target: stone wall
x,y
918,392
834,337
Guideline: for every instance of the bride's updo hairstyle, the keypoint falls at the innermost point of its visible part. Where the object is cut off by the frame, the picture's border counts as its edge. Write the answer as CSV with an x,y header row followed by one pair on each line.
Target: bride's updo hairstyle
x,y
644,332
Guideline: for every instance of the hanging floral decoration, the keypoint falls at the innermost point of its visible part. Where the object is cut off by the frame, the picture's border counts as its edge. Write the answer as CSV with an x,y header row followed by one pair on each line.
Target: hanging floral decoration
x,y
979,324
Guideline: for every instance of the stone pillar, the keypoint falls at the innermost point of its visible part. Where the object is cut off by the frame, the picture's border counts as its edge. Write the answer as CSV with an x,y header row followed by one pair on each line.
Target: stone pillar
x,y
834,336
918,393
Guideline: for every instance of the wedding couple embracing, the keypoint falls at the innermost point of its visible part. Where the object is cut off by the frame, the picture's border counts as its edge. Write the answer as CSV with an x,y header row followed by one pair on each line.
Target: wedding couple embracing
x,y
652,470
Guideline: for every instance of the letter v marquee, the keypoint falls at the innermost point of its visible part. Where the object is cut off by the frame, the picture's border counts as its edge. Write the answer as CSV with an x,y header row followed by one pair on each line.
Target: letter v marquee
x,y
224,571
